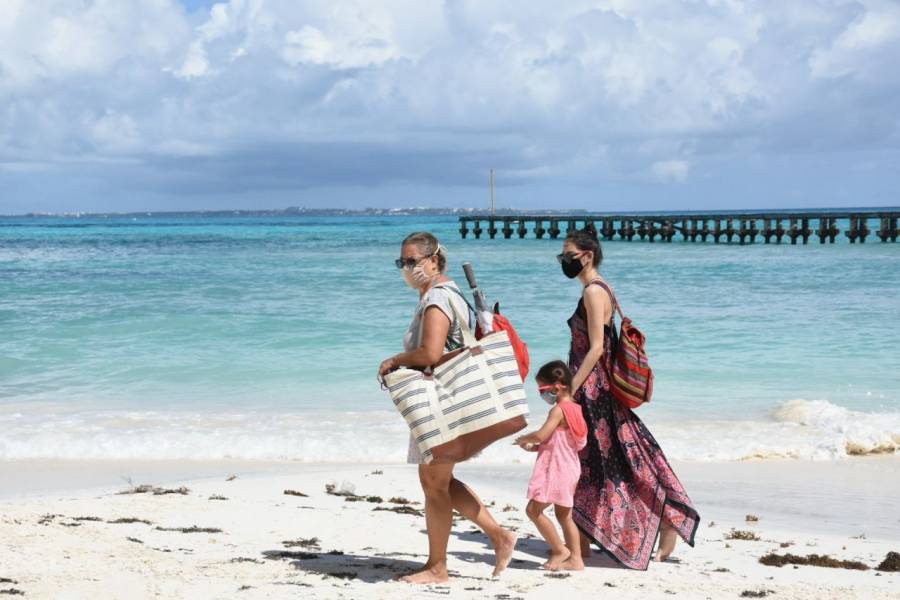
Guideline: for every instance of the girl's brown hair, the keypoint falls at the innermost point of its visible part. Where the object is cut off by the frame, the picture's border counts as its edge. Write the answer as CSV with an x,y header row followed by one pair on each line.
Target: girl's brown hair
x,y
555,371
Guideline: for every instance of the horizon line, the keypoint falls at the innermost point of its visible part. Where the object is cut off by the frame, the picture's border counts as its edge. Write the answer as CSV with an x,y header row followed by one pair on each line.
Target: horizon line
x,y
295,210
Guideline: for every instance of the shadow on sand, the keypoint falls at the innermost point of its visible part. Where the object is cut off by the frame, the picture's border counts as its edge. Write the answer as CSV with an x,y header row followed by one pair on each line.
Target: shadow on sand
x,y
386,567
532,546
370,569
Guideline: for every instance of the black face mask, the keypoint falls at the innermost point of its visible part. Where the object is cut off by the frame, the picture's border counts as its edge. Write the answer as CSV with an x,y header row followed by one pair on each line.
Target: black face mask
x,y
572,268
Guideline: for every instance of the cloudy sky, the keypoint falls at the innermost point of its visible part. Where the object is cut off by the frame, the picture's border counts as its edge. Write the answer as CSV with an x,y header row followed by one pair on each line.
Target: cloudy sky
x,y
618,104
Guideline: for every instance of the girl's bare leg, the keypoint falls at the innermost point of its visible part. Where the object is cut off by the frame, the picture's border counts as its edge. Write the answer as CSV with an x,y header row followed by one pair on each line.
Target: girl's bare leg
x,y
558,552
469,505
570,532
435,480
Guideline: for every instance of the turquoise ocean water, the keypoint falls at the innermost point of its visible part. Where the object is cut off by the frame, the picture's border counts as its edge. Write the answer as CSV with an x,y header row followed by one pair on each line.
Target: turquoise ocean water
x,y
259,337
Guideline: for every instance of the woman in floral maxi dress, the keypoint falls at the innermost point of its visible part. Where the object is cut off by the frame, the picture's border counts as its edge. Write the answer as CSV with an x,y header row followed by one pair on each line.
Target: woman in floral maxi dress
x,y
628,492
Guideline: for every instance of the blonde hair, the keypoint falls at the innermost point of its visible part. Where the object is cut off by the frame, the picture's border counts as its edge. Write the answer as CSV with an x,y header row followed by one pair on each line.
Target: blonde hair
x,y
428,245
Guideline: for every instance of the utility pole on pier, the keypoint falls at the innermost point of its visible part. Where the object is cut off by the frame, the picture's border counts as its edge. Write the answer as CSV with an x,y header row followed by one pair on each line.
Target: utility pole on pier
x,y
492,192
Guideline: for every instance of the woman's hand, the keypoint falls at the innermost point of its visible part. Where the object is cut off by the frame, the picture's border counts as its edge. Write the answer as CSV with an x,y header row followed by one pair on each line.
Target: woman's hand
x,y
386,366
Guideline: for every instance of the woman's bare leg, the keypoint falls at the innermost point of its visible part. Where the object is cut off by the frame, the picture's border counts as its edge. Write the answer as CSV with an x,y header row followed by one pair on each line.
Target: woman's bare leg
x,y
469,505
585,545
570,532
435,480
558,551
668,537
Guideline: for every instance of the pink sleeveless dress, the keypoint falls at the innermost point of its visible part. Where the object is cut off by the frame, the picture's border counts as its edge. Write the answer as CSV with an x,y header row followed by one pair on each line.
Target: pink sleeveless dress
x,y
558,467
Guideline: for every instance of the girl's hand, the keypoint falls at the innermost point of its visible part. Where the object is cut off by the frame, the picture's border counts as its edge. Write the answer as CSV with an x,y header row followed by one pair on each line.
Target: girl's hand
x,y
386,367
524,444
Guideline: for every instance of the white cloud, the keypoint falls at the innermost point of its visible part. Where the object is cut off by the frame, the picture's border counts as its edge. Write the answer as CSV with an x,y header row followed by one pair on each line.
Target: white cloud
x,y
422,90
670,171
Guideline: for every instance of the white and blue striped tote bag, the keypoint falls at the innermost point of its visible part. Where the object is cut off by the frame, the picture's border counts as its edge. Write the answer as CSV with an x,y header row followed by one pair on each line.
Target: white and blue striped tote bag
x,y
478,388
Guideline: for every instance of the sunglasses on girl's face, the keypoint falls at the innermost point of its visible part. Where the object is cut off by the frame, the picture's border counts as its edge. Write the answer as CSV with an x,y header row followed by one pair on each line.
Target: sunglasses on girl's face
x,y
409,263
567,257
546,388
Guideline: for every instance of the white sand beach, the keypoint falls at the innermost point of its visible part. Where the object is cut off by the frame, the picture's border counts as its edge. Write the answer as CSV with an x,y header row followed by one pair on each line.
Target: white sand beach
x,y
246,538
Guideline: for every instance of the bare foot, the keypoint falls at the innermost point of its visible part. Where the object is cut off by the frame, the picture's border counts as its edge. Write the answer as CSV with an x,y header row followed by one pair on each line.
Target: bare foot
x,y
556,560
429,574
668,537
573,563
503,548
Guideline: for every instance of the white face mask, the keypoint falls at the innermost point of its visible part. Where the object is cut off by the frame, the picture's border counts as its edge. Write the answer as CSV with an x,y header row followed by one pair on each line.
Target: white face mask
x,y
418,278
409,279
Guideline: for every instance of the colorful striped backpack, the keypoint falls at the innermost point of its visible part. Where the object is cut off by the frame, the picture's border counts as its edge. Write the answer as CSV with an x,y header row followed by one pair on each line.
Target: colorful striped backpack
x,y
631,379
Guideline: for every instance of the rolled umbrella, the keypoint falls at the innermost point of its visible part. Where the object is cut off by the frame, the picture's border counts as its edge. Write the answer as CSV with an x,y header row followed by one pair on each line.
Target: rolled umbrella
x,y
483,313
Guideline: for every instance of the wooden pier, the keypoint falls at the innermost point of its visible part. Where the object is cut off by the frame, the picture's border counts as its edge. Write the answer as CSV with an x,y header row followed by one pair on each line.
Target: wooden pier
x,y
743,227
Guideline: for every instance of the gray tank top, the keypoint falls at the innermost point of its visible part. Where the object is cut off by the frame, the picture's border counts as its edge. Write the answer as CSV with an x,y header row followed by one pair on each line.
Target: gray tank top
x,y
441,297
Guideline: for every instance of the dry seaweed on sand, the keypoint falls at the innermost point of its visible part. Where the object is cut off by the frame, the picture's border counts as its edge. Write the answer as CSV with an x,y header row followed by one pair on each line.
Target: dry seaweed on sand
x,y
7,580
295,554
751,518
128,520
244,559
738,534
135,540
231,478
12,592
86,519
891,563
217,497
341,574
145,488
400,500
191,529
756,593
295,493
311,543
814,560
403,510
48,518
373,499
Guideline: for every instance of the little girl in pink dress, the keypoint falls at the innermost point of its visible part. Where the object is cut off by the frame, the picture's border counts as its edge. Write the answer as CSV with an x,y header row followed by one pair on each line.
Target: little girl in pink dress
x,y
557,468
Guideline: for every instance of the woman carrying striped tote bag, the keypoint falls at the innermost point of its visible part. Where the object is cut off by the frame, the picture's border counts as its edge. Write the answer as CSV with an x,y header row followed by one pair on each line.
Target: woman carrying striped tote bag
x,y
469,400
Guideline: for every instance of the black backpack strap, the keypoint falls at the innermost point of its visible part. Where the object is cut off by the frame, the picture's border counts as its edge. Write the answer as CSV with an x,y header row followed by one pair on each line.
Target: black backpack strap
x,y
474,313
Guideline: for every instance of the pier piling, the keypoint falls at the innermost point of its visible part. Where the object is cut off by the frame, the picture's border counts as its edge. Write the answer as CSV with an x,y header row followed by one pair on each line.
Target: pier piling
x,y
741,227
554,229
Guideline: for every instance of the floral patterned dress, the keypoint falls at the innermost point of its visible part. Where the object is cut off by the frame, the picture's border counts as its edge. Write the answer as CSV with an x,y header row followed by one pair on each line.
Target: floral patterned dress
x,y
627,486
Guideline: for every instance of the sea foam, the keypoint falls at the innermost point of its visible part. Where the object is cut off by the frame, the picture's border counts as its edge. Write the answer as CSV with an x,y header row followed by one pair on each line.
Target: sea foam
x,y
798,429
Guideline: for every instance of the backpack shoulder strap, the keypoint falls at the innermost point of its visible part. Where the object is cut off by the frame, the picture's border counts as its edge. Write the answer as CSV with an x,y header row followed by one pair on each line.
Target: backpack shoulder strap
x,y
464,322
612,296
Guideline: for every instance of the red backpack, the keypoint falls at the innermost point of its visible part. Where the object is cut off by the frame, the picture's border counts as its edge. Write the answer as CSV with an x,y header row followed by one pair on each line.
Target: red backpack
x,y
520,348
631,380
501,323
